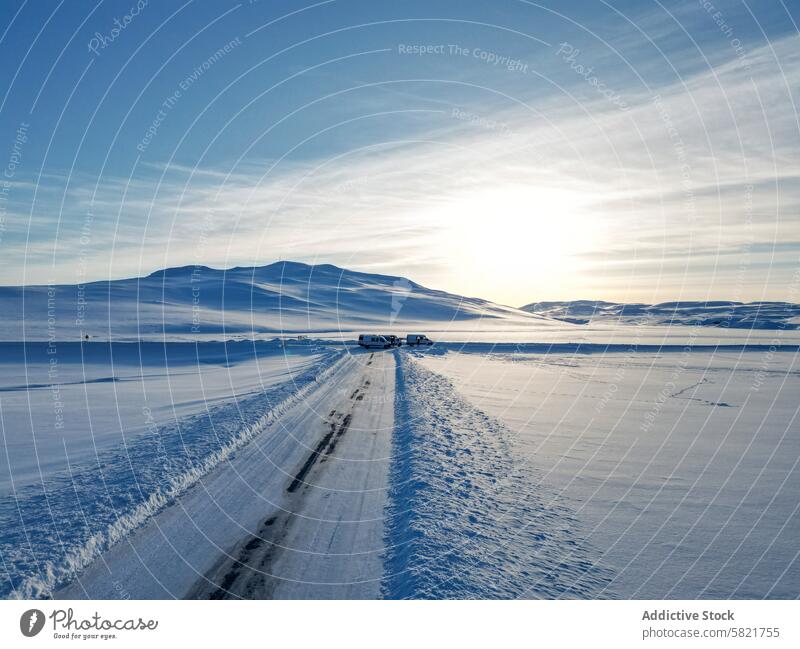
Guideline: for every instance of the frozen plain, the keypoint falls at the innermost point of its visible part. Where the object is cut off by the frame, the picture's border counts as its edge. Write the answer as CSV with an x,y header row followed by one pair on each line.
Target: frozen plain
x,y
682,467
526,457
462,471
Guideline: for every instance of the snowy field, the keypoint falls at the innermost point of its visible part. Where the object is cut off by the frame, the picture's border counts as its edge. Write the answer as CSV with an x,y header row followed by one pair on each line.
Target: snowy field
x,y
679,468
98,438
313,469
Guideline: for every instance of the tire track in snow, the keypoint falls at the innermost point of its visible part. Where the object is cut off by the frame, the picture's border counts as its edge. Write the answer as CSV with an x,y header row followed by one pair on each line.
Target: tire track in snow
x,y
464,521
247,571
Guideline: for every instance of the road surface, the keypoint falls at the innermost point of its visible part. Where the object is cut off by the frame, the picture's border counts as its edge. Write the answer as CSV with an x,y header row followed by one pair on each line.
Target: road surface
x,y
298,513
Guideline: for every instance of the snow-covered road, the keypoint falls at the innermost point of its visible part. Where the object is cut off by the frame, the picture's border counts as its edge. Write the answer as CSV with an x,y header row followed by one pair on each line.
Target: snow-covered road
x,y
282,518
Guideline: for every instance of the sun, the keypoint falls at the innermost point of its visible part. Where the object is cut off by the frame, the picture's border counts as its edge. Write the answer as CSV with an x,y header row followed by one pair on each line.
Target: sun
x,y
509,237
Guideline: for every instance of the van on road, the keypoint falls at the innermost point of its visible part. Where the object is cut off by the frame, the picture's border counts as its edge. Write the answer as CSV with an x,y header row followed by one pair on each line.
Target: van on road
x,y
372,340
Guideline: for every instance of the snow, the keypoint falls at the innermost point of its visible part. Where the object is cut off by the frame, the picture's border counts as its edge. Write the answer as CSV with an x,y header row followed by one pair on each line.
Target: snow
x,y
198,303
733,315
186,451
458,471
327,538
201,303
188,549
129,444
109,395
467,519
681,466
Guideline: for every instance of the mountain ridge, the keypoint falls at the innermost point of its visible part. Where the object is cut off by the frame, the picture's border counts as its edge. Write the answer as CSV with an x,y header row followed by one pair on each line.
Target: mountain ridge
x,y
197,300
710,313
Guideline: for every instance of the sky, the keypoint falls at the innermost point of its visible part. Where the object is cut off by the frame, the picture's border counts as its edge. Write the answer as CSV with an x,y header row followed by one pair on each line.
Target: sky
x,y
512,150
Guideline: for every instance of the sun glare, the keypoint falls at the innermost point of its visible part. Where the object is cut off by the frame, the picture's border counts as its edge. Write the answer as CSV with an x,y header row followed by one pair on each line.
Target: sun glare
x,y
516,236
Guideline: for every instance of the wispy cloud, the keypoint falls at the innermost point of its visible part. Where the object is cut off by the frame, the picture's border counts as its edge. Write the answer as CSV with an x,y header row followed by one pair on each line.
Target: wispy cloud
x,y
698,173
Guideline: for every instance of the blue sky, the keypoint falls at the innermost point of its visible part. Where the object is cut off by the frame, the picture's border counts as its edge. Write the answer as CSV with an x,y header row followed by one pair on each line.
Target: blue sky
x,y
519,151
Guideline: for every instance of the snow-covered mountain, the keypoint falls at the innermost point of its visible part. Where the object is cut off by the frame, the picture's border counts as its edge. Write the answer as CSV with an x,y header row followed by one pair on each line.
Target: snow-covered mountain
x,y
735,315
201,302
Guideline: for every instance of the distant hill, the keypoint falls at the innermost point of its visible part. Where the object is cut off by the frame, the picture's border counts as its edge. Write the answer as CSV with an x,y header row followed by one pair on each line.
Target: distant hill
x,y
735,315
198,301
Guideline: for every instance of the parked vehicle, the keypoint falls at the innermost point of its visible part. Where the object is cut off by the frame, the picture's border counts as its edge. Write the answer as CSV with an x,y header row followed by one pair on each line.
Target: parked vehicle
x,y
373,340
394,341
418,339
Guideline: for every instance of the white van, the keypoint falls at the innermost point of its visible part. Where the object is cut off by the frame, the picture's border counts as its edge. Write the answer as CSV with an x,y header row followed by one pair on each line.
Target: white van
x,y
371,340
418,339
